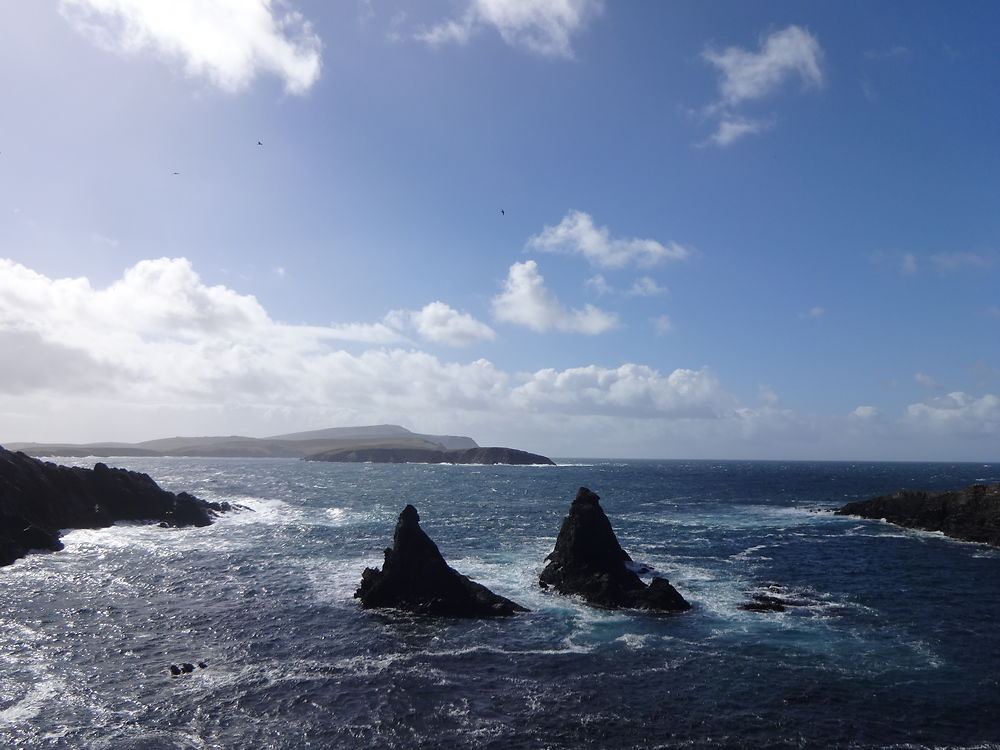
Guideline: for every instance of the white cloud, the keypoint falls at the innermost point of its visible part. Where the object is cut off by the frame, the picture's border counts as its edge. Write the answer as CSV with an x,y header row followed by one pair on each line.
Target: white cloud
x,y
646,286
815,312
230,42
958,414
576,234
785,54
526,301
731,129
629,390
908,265
599,284
957,261
865,413
926,380
662,325
745,76
541,26
442,324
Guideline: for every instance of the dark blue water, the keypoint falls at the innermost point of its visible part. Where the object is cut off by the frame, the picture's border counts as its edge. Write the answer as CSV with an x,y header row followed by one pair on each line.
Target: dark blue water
x,y
897,646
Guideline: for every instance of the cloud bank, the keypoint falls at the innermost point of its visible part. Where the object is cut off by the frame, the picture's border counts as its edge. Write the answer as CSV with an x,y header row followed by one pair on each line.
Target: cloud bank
x,y
160,352
229,42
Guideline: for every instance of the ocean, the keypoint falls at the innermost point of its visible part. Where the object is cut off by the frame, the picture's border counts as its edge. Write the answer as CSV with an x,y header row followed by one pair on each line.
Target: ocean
x,y
896,644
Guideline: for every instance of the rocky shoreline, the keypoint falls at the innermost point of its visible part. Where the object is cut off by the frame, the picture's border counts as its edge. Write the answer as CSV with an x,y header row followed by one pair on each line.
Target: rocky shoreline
x,y
38,499
971,514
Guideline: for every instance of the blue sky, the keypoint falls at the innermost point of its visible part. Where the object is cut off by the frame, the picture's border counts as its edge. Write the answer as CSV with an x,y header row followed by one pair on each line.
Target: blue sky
x,y
729,230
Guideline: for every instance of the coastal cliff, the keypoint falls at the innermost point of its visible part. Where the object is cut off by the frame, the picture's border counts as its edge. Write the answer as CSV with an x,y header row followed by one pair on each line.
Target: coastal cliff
x,y
972,514
509,456
38,498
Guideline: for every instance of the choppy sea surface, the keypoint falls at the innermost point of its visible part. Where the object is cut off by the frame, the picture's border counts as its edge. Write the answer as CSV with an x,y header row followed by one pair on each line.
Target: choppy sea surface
x,y
897,644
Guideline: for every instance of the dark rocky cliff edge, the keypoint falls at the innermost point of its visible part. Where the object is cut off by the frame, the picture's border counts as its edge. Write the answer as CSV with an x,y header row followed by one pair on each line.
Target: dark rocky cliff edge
x,y
588,561
424,456
972,514
416,578
38,498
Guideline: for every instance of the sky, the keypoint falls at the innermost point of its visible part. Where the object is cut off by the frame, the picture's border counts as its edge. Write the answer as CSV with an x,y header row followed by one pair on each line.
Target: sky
x,y
669,229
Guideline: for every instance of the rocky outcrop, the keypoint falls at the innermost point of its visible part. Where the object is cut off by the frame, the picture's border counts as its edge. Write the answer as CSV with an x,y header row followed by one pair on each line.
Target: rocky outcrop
x,y
416,578
972,514
38,498
509,456
589,561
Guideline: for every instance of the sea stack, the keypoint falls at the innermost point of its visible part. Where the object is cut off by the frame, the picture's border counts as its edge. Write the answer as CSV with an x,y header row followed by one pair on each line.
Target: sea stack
x,y
416,578
588,561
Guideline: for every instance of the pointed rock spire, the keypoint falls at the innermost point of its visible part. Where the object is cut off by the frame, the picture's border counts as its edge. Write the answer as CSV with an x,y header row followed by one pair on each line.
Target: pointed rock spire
x,y
589,561
416,578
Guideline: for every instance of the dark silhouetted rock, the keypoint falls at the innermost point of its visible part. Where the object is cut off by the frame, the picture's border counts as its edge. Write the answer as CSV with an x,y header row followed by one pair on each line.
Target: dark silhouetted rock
x,y
972,514
405,455
589,561
38,498
416,578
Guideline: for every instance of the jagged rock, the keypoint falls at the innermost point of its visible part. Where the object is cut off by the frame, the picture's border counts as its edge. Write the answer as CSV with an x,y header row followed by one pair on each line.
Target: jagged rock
x,y
589,561
38,498
972,514
416,578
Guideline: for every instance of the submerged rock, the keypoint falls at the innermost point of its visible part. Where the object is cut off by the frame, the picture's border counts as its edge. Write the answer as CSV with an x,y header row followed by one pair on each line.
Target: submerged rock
x,y
972,514
416,578
38,498
589,561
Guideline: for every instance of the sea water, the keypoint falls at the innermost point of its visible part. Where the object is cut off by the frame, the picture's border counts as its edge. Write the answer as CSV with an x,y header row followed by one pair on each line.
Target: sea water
x,y
896,645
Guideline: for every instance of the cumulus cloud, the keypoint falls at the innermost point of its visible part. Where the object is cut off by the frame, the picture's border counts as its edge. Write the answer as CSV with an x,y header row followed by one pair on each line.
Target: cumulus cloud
x,y
160,336
629,390
746,76
577,234
526,301
958,414
442,324
229,42
541,26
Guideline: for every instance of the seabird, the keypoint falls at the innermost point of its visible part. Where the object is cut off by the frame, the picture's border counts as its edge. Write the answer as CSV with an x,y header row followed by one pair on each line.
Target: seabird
x,y
502,213
259,143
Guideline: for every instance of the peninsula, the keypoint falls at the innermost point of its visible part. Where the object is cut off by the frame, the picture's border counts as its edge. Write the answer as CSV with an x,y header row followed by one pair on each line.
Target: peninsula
x,y
972,514
386,443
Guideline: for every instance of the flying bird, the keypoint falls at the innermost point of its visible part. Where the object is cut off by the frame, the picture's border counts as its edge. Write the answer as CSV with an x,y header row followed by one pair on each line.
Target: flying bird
x,y
259,143
502,213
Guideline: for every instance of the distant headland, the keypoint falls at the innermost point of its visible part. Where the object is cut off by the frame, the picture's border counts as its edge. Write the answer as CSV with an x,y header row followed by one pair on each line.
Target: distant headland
x,y
385,443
